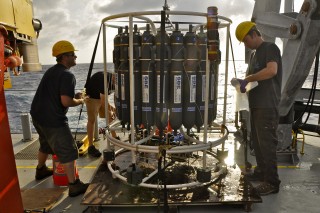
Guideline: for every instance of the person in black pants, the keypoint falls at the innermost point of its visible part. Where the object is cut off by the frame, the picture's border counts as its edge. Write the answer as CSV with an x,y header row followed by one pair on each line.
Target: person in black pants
x,y
265,67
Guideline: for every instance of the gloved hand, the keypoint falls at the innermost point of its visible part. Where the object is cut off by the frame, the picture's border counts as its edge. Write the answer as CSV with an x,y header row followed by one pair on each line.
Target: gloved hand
x,y
243,84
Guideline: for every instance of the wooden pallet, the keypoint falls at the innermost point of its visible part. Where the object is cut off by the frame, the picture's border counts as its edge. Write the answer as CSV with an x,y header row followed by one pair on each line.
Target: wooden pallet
x,y
41,199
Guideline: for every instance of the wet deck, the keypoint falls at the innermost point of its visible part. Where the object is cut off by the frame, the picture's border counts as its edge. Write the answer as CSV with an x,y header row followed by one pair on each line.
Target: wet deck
x,y
299,189
227,188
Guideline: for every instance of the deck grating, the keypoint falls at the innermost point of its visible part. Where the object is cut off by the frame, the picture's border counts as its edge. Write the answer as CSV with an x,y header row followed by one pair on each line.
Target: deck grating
x,y
31,151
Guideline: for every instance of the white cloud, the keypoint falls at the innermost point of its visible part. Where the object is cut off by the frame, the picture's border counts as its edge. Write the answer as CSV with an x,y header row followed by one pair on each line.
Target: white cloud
x,y
79,21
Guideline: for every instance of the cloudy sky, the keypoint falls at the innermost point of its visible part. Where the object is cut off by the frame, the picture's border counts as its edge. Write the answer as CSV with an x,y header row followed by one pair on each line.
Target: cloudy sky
x,y
78,21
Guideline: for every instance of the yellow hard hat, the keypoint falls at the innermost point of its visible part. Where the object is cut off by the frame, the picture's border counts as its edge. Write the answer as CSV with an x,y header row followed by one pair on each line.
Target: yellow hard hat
x,y
243,28
62,47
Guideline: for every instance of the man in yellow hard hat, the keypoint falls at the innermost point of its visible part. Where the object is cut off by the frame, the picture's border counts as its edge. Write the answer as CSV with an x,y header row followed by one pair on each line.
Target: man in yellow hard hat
x,y
265,67
55,94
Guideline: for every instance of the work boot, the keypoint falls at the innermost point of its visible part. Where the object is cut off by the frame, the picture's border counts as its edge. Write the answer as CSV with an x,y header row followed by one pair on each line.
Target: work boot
x,y
43,172
93,152
255,176
267,188
77,188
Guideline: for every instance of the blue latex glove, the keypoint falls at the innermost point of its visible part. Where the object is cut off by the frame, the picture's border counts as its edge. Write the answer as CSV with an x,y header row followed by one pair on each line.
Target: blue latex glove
x,y
243,84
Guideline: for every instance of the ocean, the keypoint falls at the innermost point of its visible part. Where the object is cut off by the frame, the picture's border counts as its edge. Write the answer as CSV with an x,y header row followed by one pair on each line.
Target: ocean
x,y
19,97
24,86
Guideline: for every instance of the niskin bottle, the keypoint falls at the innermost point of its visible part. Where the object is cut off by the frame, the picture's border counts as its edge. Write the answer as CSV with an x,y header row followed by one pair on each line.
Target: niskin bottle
x,y
201,79
162,90
124,77
190,79
116,62
137,76
148,78
176,79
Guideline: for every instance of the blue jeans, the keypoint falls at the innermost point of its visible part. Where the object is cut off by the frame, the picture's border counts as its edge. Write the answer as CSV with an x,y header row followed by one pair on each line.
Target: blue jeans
x,y
264,125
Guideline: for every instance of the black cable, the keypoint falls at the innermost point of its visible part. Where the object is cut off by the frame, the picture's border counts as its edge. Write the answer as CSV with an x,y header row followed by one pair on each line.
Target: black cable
x,y
88,77
311,95
162,52
235,75
314,86
164,182
234,65
92,58
159,181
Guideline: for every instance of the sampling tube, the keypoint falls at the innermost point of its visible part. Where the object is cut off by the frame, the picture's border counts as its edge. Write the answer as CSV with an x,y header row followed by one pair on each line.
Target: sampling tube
x,y
116,62
147,72
201,79
124,77
137,75
175,79
161,112
190,79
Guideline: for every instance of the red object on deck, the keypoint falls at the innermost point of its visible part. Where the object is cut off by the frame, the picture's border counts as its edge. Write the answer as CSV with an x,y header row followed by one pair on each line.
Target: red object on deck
x,y
10,195
59,176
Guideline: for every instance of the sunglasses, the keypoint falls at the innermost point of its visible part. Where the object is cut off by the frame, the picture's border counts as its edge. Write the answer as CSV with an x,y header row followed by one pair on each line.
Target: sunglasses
x,y
71,54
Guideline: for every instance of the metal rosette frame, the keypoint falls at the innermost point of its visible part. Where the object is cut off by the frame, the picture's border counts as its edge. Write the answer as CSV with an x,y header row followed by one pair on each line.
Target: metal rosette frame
x,y
140,146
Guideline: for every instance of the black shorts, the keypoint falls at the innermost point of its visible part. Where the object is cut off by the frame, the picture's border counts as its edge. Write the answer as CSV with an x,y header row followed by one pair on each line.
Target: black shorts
x,y
57,141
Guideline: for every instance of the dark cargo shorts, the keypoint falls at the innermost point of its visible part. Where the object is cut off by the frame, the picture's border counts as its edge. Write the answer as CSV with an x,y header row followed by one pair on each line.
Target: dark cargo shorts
x,y
57,141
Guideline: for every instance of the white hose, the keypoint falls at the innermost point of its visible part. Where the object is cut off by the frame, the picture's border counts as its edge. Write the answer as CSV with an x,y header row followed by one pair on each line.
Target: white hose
x,y
116,174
